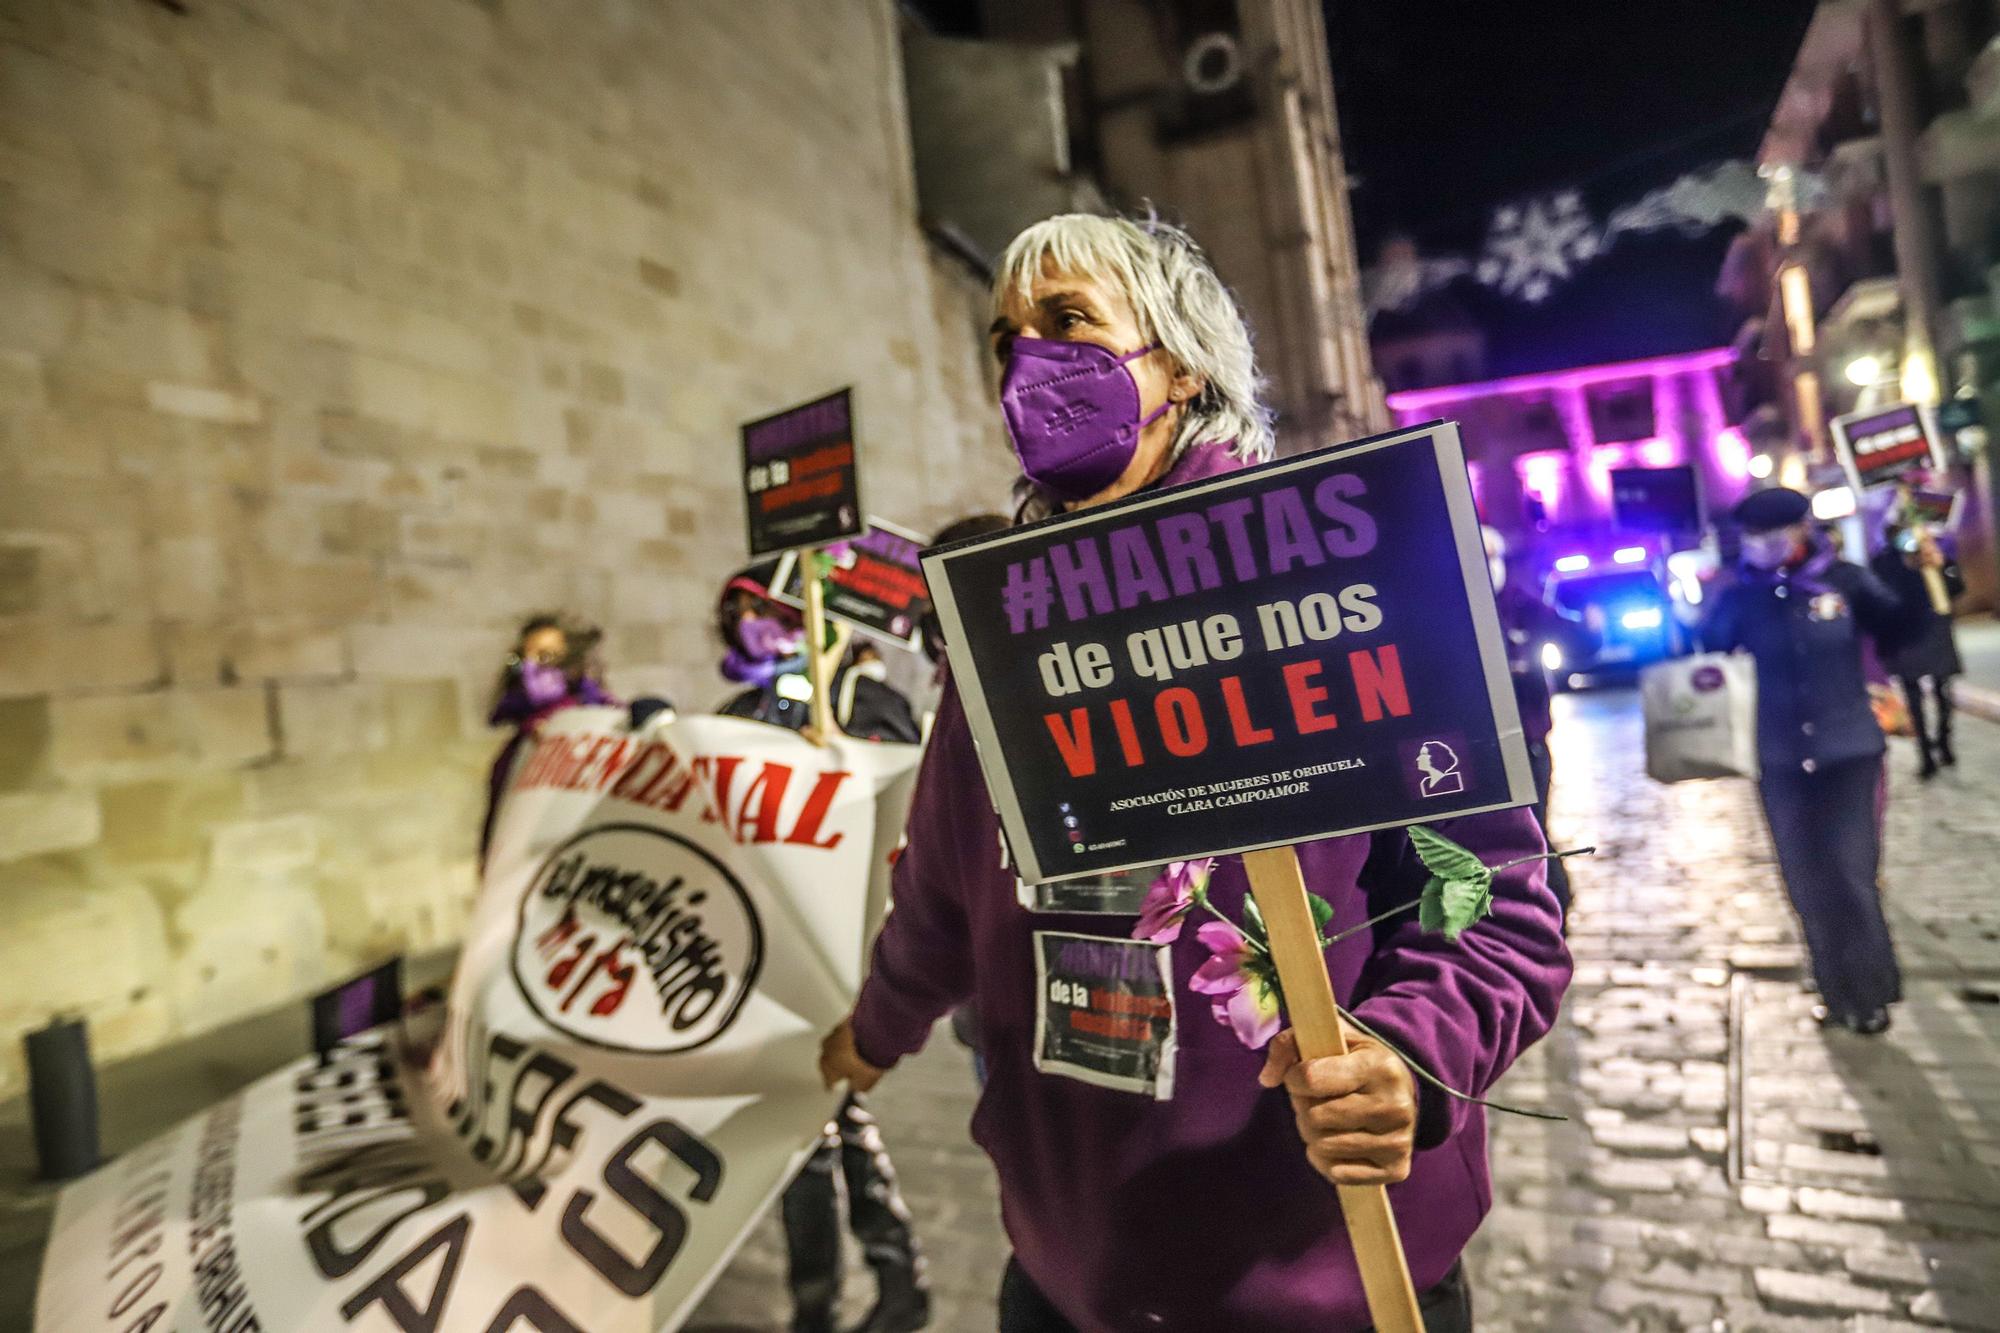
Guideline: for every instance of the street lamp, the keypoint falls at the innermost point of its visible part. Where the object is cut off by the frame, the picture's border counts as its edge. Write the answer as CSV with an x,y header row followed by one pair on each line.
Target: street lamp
x,y
1864,370
1760,466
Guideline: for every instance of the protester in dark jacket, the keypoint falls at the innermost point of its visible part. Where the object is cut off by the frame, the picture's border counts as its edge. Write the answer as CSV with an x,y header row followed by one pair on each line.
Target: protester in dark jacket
x,y
1207,1205
766,651
553,666
1802,612
1530,625
1927,652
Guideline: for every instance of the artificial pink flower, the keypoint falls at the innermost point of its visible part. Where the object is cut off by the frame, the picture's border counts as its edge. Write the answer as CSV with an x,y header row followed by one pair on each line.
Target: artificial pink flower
x,y
1240,998
1170,898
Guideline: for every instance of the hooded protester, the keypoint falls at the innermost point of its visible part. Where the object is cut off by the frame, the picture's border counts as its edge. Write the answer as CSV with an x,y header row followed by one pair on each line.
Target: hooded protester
x,y
1802,612
1126,367
1927,652
765,646
554,665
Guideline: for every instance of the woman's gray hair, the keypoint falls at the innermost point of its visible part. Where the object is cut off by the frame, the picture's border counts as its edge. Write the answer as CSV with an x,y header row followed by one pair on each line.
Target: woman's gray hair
x,y
1180,303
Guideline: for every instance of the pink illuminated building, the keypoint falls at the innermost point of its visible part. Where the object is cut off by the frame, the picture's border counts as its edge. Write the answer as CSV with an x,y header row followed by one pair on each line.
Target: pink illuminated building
x,y
1542,447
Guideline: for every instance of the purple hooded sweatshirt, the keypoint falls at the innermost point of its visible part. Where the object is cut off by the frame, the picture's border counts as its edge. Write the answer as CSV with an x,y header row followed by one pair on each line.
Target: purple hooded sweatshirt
x,y
1200,1213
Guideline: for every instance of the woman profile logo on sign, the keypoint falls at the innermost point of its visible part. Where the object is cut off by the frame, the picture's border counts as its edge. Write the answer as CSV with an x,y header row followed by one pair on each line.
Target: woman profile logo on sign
x,y
1439,763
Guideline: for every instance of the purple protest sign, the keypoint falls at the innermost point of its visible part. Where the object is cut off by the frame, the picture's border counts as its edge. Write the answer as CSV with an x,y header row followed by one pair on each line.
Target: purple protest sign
x,y
1885,445
1294,651
800,485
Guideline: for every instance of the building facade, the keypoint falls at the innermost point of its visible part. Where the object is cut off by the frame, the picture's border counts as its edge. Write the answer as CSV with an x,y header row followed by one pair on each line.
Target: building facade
x,y
1542,448
1876,277
335,339
1219,115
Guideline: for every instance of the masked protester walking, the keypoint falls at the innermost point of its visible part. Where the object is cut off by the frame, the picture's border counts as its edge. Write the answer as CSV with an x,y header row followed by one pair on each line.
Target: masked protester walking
x,y
554,665
1207,1205
1802,613
1926,654
766,652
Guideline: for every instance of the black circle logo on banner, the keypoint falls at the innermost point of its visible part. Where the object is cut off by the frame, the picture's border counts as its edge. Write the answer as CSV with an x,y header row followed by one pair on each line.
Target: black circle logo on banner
x,y
635,939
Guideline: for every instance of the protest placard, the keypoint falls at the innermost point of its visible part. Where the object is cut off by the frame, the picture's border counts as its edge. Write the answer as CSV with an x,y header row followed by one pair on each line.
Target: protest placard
x,y
1885,444
1297,650
875,584
800,484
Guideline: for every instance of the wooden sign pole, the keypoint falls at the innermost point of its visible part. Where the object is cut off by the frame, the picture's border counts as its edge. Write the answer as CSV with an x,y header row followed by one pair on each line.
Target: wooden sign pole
x,y
1933,579
1280,889
819,667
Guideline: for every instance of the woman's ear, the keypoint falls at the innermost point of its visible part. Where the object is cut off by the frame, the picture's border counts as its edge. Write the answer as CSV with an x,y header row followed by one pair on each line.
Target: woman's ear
x,y
1186,386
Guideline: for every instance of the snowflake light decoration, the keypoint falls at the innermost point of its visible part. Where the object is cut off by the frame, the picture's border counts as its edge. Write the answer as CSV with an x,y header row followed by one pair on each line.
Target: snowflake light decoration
x,y
1534,245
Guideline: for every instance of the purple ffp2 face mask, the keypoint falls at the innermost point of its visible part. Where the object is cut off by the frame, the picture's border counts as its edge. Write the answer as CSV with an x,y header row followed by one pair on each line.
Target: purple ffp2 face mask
x,y
543,683
1072,411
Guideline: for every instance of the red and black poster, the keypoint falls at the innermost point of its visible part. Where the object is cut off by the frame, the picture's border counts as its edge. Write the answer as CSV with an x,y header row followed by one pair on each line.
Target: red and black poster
x,y
877,583
1298,650
1885,445
800,486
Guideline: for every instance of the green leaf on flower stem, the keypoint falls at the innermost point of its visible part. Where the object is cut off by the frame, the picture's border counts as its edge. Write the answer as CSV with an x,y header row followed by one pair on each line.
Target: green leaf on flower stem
x,y
1450,905
1445,858
1430,907
1253,922
1322,911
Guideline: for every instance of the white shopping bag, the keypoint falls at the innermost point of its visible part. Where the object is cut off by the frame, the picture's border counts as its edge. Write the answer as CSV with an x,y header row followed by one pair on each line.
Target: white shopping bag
x,y
1701,717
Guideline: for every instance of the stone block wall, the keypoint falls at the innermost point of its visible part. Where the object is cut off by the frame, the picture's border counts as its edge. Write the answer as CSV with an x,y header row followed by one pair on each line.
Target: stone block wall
x,y
334,338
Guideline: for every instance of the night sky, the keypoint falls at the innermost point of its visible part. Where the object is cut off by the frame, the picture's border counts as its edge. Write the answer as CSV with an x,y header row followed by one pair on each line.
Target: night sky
x,y
1450,108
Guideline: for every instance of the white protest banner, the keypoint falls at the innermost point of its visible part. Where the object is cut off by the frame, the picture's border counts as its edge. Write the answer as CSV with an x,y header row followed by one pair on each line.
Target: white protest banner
x,y
624,1076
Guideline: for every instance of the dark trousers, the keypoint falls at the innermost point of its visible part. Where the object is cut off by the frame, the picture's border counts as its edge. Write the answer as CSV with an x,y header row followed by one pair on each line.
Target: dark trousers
x,y
876,1214
1829,849
1930,741
1544,769
1447,1307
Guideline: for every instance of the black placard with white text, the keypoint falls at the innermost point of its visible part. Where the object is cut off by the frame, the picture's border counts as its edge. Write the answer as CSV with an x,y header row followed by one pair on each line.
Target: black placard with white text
x,y
1297,650
800,485
1886,444
876,585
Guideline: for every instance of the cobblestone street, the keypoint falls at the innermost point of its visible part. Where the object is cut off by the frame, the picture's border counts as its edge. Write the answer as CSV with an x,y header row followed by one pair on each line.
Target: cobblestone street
x,y
1724,1167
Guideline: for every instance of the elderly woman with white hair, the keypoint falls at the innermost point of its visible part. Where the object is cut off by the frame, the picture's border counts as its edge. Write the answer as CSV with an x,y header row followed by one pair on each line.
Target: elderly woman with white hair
x,y
1188,1204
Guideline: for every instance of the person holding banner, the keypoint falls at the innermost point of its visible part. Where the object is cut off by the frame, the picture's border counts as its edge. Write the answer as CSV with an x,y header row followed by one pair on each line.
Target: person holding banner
x,y
1927,651
764,641
1802,612
553,666
1187,1185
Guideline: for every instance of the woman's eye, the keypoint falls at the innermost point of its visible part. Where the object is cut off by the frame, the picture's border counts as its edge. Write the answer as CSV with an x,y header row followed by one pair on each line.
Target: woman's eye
x,y
1068,320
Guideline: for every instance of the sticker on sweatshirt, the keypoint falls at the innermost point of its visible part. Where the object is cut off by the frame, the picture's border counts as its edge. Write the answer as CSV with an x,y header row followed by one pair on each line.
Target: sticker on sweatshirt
x,y
1120,893
1106,1014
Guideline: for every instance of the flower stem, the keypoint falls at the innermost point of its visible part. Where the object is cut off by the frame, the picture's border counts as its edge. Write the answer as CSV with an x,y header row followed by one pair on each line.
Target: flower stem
x,y
1543,856
1437,1083
1375,920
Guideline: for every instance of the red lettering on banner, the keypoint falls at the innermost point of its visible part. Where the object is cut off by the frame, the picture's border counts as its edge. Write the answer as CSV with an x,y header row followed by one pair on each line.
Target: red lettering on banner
x,y
1306,696
725,777
1246,733
805,833
1073,743
1378,680
614,761
765,792
629,787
